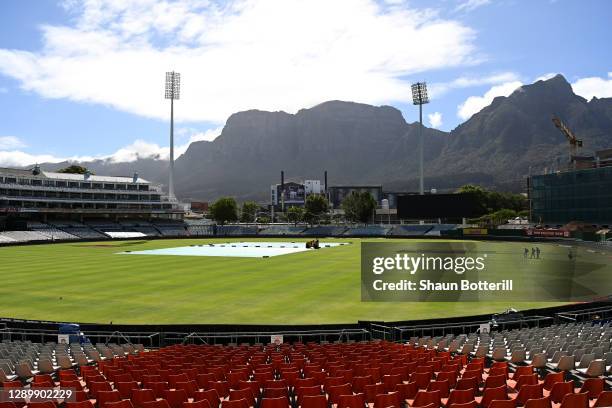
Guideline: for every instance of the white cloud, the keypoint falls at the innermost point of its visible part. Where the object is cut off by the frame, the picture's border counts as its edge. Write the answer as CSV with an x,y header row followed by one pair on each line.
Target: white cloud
x,y
139,149
10,142
594,87
469,5
435,119
546,76
474,104
437,89
265,54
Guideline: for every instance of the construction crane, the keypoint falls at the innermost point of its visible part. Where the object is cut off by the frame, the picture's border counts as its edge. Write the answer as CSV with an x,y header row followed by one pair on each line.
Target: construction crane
x,y
574,142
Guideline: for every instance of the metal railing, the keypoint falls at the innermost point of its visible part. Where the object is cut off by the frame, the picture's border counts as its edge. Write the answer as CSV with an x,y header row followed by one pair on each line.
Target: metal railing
x,y
265,337
596,313
403,333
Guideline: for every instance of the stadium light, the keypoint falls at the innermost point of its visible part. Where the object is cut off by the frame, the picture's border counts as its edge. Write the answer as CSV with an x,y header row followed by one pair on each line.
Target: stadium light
x,y
173,91
420,97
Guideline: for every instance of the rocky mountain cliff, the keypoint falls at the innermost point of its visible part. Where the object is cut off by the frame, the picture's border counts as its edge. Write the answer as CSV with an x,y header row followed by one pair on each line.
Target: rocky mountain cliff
x,y
363,144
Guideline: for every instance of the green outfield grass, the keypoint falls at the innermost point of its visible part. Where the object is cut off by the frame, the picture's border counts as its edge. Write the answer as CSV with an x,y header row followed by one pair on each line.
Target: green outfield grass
x,y
91,282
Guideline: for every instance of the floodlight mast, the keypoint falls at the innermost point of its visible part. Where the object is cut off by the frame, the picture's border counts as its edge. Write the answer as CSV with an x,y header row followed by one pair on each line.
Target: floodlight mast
x,y
419,97
173,91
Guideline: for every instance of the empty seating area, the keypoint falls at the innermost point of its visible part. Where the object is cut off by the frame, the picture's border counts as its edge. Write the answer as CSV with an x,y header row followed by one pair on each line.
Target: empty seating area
x,y
107,229
410,230
516,368
368,230
324,231
282,230
24,236
236,230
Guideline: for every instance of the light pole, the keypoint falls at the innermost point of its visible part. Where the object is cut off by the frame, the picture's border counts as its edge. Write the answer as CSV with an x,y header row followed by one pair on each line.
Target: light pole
x,y
419,97
173,91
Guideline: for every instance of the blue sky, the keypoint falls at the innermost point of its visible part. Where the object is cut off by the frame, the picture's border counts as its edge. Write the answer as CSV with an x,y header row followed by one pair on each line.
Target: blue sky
x,y
84,79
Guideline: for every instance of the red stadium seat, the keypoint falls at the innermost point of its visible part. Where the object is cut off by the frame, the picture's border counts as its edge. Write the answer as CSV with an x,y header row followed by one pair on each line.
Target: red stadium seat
x,y
43,404
503,404
175,398
580,400
439,385
97,387
594,386
351,401
125,388
560,390
495,381
538,403
242,403
104,397
160,403
281,402
471,404
390,400
335,392
244,393
212,396
528,392
604,399
552,378
197,404
522,370
80,404
120,404
460,396
530,379
314,401
424,398
491,394
140,396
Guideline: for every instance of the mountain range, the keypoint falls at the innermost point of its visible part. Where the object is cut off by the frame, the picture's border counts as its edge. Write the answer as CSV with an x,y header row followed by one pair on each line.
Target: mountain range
x,y
363,144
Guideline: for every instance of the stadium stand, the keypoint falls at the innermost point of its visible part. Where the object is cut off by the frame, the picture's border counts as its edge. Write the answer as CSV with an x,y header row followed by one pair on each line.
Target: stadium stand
x,y
368,231
324,231
236,230
438,228
410,230
25,236
466,370
282,230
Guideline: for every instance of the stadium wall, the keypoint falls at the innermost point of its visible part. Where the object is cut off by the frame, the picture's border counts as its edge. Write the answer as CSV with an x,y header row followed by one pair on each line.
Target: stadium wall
x,y
154,335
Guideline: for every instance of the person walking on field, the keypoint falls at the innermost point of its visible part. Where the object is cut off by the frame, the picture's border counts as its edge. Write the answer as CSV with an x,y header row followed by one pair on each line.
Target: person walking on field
x,y
533,253
538,252
526,253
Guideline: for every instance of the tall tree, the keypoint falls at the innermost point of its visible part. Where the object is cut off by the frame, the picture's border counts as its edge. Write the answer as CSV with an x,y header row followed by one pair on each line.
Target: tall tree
x,y
315,206
223,210
358,207
295,214
248,212
73,169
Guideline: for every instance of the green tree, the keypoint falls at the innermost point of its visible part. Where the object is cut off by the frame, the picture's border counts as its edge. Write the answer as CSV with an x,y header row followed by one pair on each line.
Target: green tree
x,y
73,169
248,212
223,210
492,201
295,214
315,206
358,207
263,219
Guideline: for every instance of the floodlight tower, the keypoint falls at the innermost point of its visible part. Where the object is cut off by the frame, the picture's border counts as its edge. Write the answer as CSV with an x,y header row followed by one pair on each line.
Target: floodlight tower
x,y
419,97
173,91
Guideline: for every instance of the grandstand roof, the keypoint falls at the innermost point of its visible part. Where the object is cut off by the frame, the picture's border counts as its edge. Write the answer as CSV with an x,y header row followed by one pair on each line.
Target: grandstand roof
x,y
72,177
93,177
